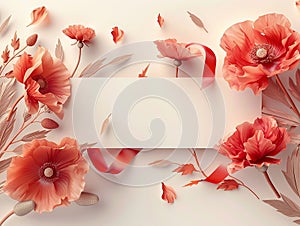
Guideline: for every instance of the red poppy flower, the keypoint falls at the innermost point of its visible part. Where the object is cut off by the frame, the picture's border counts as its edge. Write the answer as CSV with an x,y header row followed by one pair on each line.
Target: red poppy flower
x,y
80,33
47,173
177,51
258,50
46,81
253,144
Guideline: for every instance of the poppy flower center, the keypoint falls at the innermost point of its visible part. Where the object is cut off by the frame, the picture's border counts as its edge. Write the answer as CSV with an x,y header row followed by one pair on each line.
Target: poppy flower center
x,y
262,54
43,84
48,172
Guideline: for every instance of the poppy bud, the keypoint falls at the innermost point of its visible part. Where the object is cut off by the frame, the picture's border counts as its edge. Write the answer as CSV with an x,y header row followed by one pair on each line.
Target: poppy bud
x,y
23,208
87,199
31,40
48,123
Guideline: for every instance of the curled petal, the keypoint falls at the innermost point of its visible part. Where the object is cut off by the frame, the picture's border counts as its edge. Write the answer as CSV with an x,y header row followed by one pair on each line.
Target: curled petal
x,y
38,15
117,34
169,193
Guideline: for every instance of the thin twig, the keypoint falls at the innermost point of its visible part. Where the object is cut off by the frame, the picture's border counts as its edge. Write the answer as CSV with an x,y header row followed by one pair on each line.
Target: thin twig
x,y
6,217
78,61
244,185
194,153
271,184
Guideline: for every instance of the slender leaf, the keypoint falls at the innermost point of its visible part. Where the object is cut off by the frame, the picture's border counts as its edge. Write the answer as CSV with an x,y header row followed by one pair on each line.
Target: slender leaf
x,y
294,89
59,52
105,124
40,134
7,94
281,117
6,127
4,24
292,173
197,21
119,60
286,206
274,92
92,68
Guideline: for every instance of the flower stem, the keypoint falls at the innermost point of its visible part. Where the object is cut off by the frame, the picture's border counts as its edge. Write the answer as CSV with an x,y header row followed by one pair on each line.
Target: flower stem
x,y
177,70
6,217
287,95
194,153
271,184
13,107
241,183
78,61
13,57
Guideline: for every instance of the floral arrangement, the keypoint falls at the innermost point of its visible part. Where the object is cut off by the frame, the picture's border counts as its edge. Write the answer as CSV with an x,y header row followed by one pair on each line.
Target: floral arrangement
x,y
42,175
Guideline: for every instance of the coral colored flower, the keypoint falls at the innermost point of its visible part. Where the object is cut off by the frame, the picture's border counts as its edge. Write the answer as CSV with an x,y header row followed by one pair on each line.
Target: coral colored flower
x,y
258,50
177,51
48,174
46,81
80,33
252,144
169,193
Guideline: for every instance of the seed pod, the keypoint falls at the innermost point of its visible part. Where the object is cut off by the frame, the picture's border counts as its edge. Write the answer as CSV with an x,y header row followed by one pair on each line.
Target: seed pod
x,y
23,208
87,199
48,123
31,40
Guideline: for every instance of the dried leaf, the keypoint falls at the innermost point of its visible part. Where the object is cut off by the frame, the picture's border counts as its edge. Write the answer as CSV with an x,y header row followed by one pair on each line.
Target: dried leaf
x,y
286,206
281,117
119,60
59,52
292,173
185,169
294,137
169,193
15,42
6,127
160,20
117,34
92,68
193,182
144,72
294,89
4,24
5,55
229,185
161,163
274,92
38,15
4,164
105,124
49,123
197,21
40,134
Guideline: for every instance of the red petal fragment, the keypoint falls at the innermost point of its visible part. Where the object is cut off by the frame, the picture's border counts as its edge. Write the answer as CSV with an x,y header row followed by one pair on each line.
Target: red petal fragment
x,y
185,169
218,175
117,34
229,185
160,20
38,15
298,3
5,55
15,42
122,160
144,72
169,193
193,182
